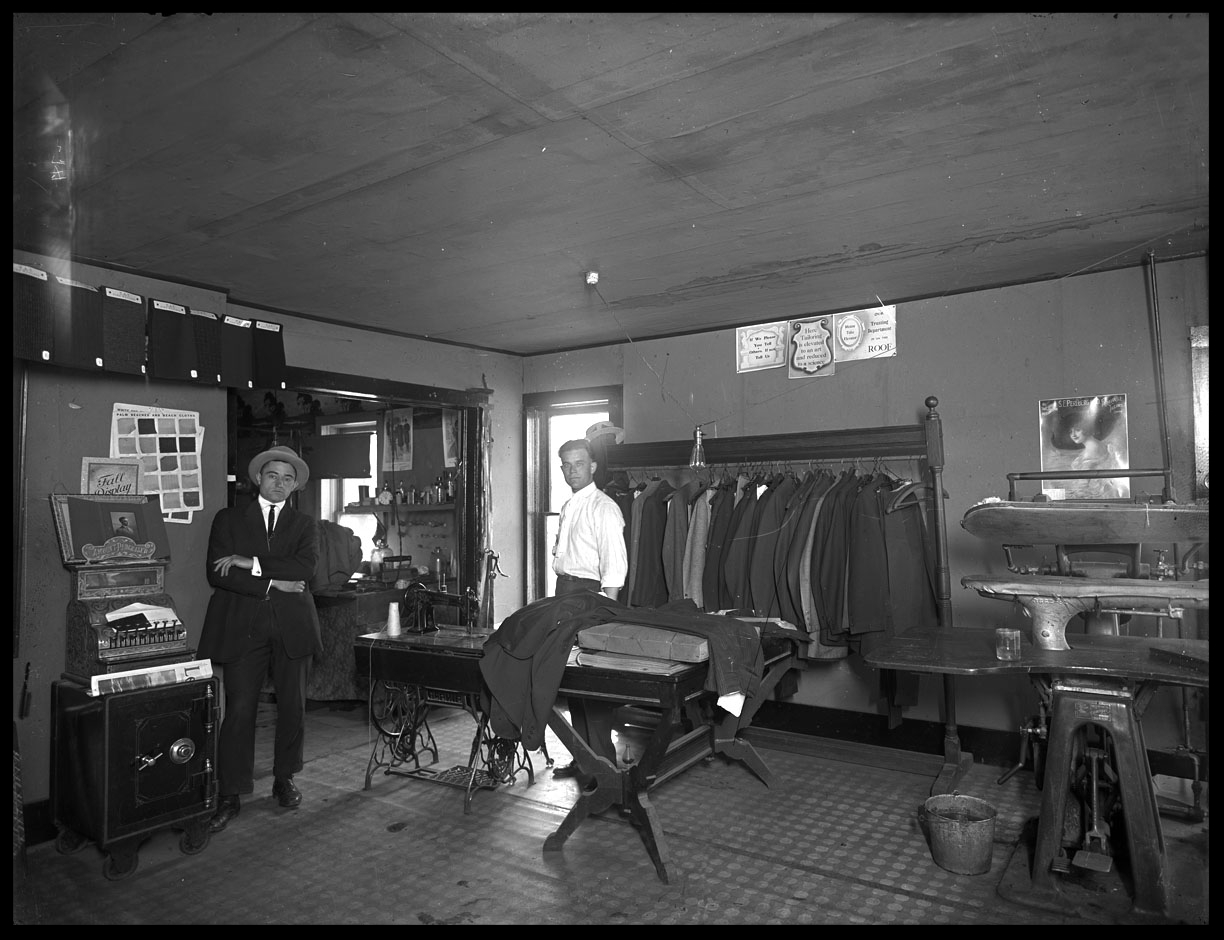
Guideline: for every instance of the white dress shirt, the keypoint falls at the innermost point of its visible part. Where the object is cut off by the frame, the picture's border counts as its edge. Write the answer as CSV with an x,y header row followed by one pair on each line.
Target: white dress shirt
x,y
591,539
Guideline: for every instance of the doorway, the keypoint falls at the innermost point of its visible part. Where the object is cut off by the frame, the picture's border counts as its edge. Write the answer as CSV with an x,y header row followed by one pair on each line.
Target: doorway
x,y
551,419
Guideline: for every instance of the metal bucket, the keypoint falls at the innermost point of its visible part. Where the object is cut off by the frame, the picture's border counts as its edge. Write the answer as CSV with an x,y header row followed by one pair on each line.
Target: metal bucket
x,y
961,832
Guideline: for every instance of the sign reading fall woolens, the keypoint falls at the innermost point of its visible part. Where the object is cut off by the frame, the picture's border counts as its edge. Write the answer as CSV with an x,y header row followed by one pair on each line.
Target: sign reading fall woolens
x,y
110,476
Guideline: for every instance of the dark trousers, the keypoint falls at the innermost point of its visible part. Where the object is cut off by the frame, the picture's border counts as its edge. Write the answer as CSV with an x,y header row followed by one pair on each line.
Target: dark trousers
x,y
244,679
592,720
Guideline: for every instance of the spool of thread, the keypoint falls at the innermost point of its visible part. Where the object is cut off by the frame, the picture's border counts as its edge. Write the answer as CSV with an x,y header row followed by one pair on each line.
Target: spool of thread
x,y
393,619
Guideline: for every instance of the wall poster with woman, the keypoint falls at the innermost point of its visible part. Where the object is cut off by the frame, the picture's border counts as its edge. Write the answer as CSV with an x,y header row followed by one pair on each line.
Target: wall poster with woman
x,y
1085,434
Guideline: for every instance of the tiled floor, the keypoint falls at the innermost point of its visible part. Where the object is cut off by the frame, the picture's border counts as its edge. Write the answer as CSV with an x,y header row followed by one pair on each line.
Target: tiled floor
x,y
833,841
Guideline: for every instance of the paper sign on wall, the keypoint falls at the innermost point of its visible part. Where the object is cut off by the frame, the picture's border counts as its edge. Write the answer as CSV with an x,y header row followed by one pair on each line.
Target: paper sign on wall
x,y
865,334
760,347
810,349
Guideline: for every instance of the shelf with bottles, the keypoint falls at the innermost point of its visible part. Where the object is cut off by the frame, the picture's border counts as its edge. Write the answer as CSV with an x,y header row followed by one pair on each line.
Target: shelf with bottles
x,y
399,507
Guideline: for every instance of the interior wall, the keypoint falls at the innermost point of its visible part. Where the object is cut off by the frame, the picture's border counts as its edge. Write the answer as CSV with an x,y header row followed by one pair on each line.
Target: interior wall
x,y
989,357
310,344
68,417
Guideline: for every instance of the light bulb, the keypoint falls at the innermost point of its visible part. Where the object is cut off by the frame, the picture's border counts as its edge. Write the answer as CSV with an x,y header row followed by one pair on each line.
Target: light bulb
x,y
592,278
697,459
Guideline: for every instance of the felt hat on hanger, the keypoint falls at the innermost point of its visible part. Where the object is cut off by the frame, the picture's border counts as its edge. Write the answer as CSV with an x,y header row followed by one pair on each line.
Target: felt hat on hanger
x,y
279,452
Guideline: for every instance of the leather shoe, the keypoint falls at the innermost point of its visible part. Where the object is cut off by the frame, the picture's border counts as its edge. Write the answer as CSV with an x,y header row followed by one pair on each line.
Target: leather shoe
x,y
569,770
286,793
227,808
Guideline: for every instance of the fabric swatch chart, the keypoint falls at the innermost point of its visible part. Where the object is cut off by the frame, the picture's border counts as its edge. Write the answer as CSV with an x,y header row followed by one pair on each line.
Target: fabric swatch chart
x,y
168,444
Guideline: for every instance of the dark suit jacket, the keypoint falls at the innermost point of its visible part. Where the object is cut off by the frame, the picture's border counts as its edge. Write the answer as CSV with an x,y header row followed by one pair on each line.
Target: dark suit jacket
x,y
241,602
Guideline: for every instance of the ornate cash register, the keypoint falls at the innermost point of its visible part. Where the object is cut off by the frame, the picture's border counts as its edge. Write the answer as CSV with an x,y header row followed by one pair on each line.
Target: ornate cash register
x,y
119,616
133,742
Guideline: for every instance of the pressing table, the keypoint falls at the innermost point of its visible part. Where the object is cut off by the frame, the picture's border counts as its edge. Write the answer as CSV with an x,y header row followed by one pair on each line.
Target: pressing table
x,y
683,705
419,670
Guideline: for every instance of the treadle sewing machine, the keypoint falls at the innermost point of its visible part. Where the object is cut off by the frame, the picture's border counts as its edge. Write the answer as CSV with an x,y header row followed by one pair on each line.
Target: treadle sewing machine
x,y
1099,805
133,742
414,672
426,611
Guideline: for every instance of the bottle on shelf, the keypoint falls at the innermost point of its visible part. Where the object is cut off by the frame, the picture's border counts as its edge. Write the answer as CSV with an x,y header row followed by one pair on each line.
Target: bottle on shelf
x,y
400,496
377,556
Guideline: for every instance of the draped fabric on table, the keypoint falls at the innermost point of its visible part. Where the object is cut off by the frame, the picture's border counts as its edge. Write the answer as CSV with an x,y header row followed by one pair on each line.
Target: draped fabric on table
x,y
847,558
525,658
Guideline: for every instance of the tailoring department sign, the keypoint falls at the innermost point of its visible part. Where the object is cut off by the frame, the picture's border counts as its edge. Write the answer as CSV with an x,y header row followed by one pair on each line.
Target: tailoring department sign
x,y
810,351
812,346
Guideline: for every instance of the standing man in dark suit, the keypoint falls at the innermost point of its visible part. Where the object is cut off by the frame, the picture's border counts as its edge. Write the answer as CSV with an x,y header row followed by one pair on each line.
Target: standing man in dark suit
x,y
261,618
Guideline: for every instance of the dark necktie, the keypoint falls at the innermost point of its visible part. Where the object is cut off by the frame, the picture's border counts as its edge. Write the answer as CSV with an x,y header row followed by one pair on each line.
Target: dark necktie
x,y
271,522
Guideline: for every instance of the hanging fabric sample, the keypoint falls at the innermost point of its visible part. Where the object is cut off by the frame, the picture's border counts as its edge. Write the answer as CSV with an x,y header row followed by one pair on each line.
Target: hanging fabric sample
x,y
124,331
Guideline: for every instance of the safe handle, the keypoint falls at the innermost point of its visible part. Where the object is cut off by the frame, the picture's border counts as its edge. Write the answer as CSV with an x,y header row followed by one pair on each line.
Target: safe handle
x,y
144,761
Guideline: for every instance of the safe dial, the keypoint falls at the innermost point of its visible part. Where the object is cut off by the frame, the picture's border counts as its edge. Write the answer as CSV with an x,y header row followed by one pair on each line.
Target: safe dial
x,y
182,750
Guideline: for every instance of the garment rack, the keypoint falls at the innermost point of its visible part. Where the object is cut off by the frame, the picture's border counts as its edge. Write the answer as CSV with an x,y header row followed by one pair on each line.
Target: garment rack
x,y
923,440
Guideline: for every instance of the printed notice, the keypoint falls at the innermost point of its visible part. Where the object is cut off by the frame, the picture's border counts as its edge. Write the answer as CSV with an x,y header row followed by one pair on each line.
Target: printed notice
x,y
811,348
760,347
865,334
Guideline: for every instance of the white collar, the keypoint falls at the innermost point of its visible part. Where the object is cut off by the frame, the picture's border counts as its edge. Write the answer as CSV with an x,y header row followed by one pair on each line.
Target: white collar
x,y
265,505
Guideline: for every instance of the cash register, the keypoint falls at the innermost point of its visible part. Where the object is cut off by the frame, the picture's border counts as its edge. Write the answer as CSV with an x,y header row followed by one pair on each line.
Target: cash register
x,y
133,743
119,616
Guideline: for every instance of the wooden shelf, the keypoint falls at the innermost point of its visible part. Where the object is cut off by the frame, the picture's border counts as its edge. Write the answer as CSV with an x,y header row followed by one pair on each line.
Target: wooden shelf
x,y
404,507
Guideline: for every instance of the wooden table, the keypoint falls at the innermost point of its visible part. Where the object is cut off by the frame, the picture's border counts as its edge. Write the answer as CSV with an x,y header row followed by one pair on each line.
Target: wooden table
x,y
1102,680
689,729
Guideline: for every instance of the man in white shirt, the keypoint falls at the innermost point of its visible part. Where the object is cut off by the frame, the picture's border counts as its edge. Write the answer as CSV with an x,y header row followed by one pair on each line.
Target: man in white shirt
x,y
589,555
590,552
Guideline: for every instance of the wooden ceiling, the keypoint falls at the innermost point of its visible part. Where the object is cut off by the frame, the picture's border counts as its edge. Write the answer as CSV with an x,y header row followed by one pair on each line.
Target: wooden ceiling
x,y
455,175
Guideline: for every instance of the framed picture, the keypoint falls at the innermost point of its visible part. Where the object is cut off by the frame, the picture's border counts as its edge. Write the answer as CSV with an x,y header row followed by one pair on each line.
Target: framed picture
x,y
1085,434
110,476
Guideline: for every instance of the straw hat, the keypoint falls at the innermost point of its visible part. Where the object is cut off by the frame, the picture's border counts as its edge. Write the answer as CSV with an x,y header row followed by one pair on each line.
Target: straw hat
x,y
279,453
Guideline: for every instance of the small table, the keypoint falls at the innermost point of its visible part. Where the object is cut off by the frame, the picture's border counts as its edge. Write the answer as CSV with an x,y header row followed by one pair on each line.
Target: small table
x,y
677,697
1101,680
411,673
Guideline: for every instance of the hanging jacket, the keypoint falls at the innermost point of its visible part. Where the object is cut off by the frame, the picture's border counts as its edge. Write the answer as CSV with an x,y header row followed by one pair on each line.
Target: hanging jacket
x,y
339,556
524,659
